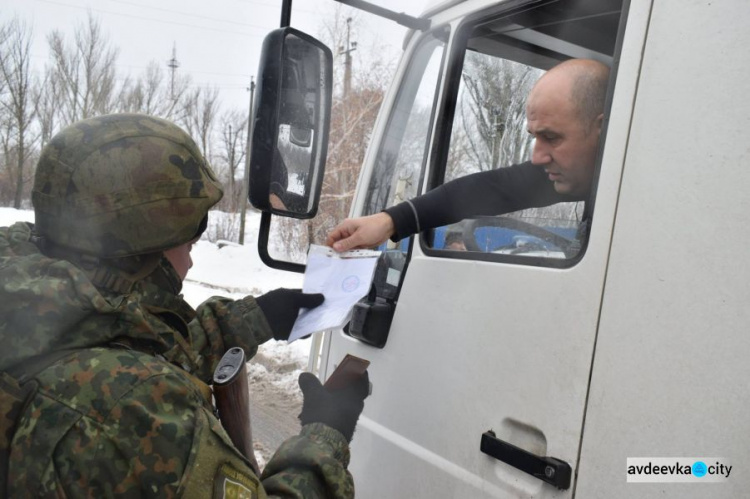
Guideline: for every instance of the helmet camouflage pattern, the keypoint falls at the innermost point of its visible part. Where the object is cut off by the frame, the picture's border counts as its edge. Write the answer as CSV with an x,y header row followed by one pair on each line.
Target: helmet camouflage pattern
x,y
121,185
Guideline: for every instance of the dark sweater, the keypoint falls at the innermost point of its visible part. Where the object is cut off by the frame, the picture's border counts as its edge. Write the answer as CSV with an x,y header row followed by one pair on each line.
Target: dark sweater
x,y
493,192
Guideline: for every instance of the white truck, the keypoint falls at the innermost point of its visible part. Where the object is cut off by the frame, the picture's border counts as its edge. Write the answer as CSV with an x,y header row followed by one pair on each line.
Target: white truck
x,y
534,366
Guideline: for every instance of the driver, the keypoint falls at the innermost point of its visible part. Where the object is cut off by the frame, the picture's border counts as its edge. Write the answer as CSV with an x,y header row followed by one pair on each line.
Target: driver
x,y
564,113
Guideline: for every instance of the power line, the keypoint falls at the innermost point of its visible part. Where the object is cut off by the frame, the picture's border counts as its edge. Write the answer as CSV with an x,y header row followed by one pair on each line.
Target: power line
x,y
196,84
244,76
151,19
187,70
170,11
277,6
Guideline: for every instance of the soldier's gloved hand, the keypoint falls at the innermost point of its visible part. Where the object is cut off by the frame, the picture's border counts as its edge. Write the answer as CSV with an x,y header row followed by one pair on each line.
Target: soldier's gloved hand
x,y
281,307
339,409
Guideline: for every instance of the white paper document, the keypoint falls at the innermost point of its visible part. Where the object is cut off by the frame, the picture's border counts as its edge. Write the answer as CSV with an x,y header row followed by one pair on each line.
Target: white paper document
x,y
343,278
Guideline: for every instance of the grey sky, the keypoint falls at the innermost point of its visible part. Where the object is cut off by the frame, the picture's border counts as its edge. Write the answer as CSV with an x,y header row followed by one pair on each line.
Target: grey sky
x,y
218,42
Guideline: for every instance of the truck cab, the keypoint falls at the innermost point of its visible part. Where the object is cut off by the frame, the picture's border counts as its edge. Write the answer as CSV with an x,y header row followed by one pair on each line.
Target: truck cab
x,y
555,345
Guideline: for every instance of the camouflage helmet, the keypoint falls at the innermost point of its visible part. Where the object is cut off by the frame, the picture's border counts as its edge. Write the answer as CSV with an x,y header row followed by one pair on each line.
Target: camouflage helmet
x,y
121,185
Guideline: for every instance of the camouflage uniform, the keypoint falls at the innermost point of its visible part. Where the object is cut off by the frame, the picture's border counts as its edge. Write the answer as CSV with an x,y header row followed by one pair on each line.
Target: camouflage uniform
x,y
123,408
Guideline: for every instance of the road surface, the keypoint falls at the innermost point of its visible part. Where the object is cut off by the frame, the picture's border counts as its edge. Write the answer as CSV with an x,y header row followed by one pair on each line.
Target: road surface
x,y
275,403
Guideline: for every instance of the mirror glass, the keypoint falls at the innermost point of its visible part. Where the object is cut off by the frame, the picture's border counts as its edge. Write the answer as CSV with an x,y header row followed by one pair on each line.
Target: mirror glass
x,y
296,168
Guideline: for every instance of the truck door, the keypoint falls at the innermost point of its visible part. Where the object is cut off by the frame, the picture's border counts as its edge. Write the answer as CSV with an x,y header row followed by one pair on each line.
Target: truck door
x,y
496,332
671,367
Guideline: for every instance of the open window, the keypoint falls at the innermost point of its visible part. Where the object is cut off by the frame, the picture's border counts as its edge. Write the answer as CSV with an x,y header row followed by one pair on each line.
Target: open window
x,y
402,153
398,174
469,116
482,127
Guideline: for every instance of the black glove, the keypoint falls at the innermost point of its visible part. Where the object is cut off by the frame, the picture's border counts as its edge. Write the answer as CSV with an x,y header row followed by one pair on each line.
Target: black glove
x,y
281,307
338,409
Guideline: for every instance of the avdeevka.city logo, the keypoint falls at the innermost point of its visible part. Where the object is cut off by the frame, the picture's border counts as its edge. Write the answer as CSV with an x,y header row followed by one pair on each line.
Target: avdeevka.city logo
x,y
678,469
699,469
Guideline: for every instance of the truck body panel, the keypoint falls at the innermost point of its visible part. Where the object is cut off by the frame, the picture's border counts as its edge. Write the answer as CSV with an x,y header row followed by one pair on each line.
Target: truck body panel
x,y
634,348
670,372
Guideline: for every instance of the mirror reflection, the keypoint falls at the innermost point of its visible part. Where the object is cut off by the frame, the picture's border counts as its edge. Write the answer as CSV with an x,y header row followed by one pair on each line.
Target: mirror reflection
x,y
293,174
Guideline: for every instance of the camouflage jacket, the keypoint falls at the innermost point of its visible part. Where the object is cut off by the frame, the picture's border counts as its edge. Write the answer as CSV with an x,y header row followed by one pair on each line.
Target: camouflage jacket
x,y
121,414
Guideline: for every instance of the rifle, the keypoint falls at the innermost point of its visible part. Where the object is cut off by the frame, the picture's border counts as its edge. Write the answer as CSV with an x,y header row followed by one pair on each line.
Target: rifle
x,y
233,402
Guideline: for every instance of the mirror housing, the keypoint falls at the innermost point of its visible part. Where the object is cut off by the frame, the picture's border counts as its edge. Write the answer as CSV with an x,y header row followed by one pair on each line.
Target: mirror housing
x,y
290,125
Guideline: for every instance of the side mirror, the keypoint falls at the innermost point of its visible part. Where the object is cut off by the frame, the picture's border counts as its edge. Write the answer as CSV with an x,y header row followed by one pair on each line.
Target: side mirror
x,y
290,129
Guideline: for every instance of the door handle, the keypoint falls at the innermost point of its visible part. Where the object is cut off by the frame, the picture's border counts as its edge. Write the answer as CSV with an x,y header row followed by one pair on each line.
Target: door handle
x,y
547,469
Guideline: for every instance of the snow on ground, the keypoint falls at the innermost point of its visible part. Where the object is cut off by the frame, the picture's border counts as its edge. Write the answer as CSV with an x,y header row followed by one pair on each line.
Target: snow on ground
x,y
8,216
228,269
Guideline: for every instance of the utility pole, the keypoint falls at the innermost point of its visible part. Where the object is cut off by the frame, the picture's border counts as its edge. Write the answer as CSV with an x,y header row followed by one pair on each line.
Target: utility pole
x,y
350,47
173,64
248,150
231,143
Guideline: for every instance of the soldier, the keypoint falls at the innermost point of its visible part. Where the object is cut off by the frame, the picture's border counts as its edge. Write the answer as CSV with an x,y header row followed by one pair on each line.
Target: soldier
x,y
117,364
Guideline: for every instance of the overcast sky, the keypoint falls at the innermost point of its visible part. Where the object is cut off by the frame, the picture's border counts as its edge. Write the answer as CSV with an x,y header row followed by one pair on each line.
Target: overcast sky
x,y
217,42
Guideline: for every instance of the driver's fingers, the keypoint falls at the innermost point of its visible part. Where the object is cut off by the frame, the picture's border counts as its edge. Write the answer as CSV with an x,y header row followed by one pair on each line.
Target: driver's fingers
x,y
347,243
339,232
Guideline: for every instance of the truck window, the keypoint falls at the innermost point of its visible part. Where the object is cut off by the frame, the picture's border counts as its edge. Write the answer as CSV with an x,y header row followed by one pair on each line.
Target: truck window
x,y
495,64
401,156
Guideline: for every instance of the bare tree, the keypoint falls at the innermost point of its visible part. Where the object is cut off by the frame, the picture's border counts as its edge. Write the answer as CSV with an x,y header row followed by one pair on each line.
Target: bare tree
x,y
4,36
490,122
151,93
7,182
16,105
334,34
85,72
352,120
232,147
146,93
200,110
47,100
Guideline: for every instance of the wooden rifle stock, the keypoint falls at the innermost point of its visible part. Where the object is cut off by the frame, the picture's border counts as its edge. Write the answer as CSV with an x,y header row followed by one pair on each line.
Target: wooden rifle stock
x,y
233,402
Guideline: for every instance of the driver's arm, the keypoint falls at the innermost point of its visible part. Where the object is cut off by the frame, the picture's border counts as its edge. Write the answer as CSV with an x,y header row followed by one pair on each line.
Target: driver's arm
x,y
493,192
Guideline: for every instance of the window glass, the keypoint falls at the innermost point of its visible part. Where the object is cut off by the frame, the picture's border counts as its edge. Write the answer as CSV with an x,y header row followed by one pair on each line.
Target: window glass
x,y
402,153
503,59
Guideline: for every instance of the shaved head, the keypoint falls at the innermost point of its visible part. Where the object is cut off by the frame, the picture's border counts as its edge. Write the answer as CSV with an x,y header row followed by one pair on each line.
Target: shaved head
x,y
564,113
584,81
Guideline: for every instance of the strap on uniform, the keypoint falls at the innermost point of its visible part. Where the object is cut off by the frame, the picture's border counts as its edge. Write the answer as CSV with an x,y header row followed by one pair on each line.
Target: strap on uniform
x,y
100,272
116,280
24,371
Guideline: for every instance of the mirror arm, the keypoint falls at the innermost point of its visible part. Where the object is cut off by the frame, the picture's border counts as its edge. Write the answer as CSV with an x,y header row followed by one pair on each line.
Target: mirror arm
x,y
401,18
263,233
286,13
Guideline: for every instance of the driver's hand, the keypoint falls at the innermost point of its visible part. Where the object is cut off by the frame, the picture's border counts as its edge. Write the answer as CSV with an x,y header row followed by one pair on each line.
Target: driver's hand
x,y
359,233
276,202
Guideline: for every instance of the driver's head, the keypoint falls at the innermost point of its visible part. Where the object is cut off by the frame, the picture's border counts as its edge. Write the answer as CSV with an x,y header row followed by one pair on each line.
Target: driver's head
x,y
564,114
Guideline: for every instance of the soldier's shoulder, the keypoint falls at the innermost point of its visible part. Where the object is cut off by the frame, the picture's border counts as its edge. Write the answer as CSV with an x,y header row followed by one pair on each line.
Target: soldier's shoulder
x,y
94,381
97,410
